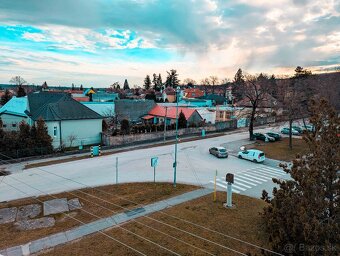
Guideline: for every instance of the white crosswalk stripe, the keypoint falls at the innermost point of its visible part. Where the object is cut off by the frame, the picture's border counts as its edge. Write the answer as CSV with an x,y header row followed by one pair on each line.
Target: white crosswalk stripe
x,y
251,178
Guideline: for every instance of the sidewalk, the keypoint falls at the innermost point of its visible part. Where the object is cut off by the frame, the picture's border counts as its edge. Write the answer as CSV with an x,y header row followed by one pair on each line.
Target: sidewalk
x,y
100,225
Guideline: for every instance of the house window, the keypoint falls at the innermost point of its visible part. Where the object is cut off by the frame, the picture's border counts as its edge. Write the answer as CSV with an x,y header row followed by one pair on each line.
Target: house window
x,y
55,131
221,114
4,125
14,125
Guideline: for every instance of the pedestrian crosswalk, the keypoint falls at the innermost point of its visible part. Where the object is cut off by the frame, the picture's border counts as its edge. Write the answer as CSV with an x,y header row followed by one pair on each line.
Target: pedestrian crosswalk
x,y
251,178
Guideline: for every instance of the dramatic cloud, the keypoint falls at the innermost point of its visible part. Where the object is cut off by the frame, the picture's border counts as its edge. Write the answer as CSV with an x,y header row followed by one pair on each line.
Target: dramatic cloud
x,y
112,40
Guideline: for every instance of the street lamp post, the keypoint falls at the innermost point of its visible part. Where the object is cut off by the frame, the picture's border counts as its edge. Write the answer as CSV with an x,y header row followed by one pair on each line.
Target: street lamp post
x,y
175,163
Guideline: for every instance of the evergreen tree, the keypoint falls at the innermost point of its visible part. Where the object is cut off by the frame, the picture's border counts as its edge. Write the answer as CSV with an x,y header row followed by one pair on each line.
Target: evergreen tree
x,y
125,126
154,81
305,209
126,85
43,140
5,98
182,121
237,83
24,134
172,79
147,82
21,92
81,87
274,87
72,87
159,82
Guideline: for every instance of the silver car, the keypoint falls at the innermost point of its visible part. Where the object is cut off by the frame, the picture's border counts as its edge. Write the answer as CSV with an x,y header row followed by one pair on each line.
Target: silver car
x,y
219,152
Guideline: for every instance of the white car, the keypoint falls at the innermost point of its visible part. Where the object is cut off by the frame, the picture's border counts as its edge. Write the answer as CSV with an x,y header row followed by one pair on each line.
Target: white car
x,y
254,155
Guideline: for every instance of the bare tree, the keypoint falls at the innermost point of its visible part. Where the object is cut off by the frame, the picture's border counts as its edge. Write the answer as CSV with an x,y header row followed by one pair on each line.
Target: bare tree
x,y
189,82
18,81
254,91
72,137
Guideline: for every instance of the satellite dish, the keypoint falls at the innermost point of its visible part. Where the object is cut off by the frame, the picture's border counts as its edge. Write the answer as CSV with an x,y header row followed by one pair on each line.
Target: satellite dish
x,y
243,148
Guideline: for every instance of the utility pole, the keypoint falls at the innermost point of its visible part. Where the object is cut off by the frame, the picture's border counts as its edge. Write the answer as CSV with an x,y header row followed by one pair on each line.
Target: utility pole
x,y
116,170
175,163
166,112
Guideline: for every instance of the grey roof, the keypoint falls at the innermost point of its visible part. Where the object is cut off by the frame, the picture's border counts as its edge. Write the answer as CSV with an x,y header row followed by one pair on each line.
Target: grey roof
x,y
219,99
58,106
132,110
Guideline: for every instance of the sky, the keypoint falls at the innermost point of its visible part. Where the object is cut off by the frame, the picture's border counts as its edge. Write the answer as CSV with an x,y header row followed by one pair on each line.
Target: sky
x,y
99,42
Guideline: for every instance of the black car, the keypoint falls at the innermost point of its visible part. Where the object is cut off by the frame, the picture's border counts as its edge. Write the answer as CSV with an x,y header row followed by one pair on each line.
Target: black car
x,y
264,137
274,135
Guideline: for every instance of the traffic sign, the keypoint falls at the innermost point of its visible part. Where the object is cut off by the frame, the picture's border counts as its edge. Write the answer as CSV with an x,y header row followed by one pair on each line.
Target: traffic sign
x,y
154,161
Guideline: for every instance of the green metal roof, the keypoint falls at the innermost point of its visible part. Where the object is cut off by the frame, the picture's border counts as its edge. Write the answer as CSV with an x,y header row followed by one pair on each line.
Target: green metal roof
x,y
58,106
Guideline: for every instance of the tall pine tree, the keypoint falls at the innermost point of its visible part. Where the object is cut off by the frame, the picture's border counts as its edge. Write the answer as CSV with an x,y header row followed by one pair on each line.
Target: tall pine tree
x,y
126,85
147,82
304,212
5,98
172,79
237,83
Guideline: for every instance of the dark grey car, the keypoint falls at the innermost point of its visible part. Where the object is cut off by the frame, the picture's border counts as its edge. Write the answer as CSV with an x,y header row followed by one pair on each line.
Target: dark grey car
x,y
219,152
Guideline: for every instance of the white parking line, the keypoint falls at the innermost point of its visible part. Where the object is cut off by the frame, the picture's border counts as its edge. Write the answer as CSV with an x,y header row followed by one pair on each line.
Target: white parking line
x,y
241,180
225,186
256,178
268,172
252,180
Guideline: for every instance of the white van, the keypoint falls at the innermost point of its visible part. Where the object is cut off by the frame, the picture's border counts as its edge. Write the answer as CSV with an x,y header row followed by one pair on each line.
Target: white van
x,y
257,156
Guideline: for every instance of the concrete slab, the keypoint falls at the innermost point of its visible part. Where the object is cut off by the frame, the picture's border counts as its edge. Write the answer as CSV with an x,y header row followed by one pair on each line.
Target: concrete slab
x,y
28,212
55,206
44,222
40,244
74,204
59,238
14,251
7,215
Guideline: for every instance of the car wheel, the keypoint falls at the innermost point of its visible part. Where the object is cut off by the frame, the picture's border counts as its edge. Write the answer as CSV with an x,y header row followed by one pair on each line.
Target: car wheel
x,y
239,156
255,161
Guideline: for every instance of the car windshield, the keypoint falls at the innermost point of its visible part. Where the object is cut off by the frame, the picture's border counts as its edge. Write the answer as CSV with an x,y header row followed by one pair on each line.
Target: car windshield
x,y
222,150
261,154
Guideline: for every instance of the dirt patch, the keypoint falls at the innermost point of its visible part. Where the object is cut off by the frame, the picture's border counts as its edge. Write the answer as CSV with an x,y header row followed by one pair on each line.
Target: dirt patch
x,y
244,222
143,193
280,149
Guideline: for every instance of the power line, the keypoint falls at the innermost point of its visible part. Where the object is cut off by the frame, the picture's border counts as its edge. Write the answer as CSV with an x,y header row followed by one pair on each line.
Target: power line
x,y
176,217
124,208
207,240
194,235
68,215
98,217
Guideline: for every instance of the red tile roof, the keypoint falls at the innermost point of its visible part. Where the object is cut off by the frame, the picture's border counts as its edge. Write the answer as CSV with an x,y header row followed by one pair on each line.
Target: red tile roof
x,y
171,112
147,117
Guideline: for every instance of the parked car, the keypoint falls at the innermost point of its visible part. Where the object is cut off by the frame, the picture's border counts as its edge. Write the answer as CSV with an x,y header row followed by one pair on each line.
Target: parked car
x,y
254,155
298,128
274,135
264,137
219,152
310,127
285,130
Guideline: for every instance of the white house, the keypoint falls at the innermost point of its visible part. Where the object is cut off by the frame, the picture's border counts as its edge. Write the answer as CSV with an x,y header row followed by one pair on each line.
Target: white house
x,y
13,112
68,121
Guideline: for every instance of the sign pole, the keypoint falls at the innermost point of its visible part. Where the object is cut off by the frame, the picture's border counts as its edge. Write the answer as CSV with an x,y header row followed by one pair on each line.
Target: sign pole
x,y
229,195
116,170
215,187
154,174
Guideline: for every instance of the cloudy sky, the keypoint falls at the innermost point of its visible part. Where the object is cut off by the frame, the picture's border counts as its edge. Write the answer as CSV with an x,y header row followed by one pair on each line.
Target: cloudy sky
x,y
98,42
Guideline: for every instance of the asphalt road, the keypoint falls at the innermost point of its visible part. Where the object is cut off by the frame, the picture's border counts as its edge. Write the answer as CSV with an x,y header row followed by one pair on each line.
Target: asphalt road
x,y
195,166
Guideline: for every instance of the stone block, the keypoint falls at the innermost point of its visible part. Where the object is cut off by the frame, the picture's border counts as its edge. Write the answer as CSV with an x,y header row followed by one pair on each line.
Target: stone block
x,y
7,215
43,222
74,204
55,206
28,211
14,251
